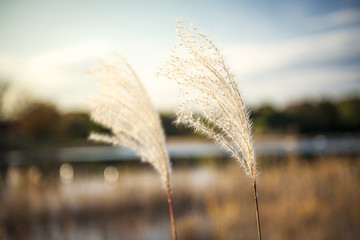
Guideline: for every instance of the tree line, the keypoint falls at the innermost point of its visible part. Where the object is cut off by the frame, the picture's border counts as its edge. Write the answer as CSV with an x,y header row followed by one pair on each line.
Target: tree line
x,y
43,124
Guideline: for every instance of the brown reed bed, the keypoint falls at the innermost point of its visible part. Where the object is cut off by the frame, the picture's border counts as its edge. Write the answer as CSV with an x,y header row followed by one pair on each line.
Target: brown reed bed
x,y
299,200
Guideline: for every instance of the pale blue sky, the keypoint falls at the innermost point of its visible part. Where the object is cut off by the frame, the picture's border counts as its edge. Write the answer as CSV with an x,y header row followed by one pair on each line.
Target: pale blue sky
x,y
281,51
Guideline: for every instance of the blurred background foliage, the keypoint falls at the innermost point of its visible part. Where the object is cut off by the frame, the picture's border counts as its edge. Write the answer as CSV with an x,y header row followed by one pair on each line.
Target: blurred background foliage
x,y
309,117
32,122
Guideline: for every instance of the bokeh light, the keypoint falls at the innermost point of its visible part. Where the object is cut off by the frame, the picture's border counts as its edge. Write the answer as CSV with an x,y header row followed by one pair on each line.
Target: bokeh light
x,y
111,174
66,173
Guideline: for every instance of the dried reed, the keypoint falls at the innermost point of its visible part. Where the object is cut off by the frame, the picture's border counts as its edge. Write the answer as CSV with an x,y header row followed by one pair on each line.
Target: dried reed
x,y
123,106
212,103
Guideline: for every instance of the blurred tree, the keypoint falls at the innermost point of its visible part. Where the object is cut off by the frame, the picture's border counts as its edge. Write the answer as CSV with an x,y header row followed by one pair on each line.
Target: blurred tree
x,y
73,126
3,88
302,116
324,117
43,123
4,125
349,114
313,118
268,119
328,119
39,122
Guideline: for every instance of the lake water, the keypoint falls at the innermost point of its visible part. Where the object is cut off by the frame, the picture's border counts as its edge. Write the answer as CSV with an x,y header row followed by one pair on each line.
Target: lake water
x,y
274,147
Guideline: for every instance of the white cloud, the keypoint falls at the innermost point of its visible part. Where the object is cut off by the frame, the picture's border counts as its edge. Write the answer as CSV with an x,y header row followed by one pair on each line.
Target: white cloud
x,y
297,68
57,75
60,76
53,68
8,66
250,58
333,19
286,86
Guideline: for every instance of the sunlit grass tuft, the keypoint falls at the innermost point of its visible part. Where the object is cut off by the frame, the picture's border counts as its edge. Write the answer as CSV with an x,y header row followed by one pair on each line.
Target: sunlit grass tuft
x,y
123,106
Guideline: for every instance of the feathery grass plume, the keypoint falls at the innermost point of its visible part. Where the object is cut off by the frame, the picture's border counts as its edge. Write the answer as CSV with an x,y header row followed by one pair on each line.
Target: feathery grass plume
x,y
123,106
212,103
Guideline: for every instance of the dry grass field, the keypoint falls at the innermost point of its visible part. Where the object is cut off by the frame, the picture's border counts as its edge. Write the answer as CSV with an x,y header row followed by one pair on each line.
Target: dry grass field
x,y
299,199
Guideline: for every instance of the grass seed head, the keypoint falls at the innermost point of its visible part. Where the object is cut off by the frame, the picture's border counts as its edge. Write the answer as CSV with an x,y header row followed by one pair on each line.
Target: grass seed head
x,y
214,107
123,106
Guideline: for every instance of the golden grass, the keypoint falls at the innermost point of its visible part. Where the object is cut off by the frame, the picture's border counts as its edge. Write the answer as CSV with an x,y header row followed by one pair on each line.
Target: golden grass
x,y
299,200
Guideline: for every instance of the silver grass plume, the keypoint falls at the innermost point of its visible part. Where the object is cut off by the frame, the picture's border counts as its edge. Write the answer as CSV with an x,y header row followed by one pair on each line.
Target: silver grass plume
x,y
123,106
212,102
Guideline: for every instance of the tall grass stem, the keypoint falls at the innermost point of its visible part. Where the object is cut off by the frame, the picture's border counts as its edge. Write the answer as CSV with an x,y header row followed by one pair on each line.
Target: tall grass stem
x,y
173,229
257,210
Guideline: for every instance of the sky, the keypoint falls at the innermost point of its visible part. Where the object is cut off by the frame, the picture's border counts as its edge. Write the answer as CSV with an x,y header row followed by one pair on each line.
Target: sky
x,y
281,52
